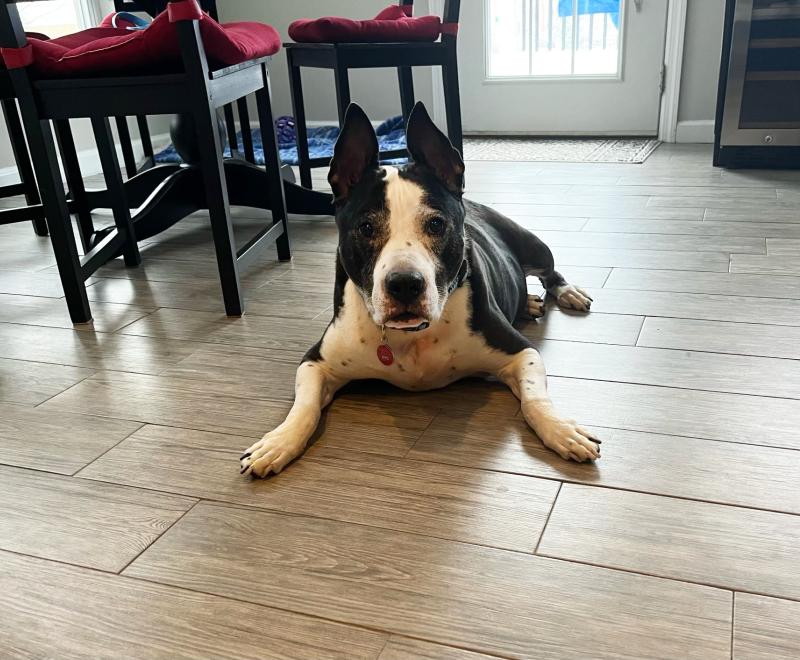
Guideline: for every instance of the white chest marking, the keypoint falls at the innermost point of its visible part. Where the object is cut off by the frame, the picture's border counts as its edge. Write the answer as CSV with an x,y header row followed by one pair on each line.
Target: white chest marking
x,y
432,358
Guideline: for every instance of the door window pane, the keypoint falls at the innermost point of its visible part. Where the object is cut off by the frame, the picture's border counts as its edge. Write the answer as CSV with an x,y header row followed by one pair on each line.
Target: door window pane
x,y
553,38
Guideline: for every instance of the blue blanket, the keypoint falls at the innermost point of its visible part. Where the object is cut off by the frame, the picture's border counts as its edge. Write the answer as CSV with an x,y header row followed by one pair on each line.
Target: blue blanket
x,y
391,135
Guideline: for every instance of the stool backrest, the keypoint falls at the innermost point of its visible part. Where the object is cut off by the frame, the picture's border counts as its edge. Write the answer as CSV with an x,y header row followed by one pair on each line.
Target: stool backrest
x,y
154,7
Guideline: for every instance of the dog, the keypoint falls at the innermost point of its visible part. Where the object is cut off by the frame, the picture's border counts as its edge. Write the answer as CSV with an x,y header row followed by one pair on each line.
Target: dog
x,y
428,286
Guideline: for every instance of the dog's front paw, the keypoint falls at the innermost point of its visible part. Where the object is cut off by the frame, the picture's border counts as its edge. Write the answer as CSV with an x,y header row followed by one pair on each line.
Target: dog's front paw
x,y
536,306
568,440
271,454
571,297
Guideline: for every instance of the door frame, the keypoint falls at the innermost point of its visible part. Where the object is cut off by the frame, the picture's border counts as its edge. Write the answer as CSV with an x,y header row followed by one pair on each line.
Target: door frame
x,y
673,64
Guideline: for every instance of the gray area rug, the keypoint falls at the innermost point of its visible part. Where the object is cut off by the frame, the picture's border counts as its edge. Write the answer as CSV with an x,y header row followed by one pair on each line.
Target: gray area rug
x,y
568,150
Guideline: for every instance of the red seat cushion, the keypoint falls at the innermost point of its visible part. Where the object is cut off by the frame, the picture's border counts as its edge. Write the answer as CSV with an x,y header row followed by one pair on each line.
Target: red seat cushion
x,y
392,24
107,50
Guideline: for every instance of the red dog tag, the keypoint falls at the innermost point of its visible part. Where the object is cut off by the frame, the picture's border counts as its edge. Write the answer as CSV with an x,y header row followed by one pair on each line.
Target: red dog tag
x,y
385,354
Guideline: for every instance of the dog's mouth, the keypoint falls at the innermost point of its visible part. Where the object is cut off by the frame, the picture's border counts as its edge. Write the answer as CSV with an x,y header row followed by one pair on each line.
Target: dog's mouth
x,y
407,321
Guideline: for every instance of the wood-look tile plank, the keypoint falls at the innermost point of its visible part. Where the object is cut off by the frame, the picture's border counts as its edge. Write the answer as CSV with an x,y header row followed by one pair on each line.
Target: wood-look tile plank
x,y
753,420
56,611
256,331
266,373
712,544
785,247
542,223
402,648
63,443
744,193
27,262
738,374
633,241
765,628
426,588
272,300
576,198
708,307
474,506
34,382
171,401
599,211
568,326
44,284
777,341
704,228
720,200
624,258
757,477
727,284
783,264
51,312
97,525
93,350
753,213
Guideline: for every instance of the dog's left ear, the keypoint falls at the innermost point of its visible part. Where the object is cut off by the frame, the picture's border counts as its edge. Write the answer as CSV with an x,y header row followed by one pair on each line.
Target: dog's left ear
x,y
429,146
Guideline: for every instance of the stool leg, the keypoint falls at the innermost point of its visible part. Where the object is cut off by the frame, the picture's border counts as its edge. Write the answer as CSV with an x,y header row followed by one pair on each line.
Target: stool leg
x,y
213,169
116,188
301,132
23,160
452,101
247,134
272,160
72,172
230,127
406,81
54,201
126,145
342,90
144,135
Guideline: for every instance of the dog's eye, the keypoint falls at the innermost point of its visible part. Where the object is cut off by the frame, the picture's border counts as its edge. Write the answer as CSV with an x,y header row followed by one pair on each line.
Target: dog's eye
x,y
435,226
366,229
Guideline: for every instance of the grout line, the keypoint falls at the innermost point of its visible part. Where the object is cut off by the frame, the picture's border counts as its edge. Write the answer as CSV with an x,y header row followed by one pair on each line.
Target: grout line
x,y
161,535
547,519
733,621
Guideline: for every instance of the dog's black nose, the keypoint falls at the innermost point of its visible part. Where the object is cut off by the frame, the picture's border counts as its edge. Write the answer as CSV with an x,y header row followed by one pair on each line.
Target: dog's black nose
x,y
405,286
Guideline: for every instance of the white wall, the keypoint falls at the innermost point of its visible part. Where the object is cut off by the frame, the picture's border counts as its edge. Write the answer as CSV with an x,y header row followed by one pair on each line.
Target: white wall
x,y
376,90
700,73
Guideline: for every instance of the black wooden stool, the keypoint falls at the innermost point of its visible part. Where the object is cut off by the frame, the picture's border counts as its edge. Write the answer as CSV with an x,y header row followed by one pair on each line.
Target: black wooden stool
x,y
341,57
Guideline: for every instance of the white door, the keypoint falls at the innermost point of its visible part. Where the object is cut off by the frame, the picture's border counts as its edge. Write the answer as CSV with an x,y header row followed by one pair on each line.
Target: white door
x,y
561,67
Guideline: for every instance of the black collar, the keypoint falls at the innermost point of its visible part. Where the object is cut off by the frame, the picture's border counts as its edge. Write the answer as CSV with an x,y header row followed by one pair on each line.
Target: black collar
x,y
460,277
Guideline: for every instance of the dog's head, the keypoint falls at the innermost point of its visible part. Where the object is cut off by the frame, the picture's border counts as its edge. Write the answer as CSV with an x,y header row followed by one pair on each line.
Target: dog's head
x,y
401,231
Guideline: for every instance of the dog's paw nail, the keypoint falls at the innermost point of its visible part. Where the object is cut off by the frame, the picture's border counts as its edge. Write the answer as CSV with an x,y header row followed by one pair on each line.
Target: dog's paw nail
x,y
245,455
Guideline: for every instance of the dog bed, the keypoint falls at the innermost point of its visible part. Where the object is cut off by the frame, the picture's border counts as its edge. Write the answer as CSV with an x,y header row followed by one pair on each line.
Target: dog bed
x,y
321,139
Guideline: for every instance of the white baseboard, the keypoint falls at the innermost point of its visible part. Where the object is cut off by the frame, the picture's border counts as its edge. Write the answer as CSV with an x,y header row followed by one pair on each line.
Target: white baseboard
x,y
699,131
89,159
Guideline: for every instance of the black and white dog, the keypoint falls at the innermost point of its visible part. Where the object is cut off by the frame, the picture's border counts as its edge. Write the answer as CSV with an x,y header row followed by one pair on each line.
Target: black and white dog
x,y
428,285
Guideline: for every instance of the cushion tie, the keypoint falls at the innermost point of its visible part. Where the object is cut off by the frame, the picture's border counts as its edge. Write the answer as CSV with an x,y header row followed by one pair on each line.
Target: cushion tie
x,y
185,10
450,28
17,58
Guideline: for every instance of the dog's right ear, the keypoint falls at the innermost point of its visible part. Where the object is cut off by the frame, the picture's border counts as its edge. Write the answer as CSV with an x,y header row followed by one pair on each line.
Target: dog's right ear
x,y
355,153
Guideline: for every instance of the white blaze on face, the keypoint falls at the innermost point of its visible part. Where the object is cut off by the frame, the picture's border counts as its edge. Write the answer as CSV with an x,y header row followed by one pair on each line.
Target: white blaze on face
x,y
405,250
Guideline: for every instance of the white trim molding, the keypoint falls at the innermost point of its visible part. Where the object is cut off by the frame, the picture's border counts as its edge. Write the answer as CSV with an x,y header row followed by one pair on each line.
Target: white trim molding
x,y
673,65
699,131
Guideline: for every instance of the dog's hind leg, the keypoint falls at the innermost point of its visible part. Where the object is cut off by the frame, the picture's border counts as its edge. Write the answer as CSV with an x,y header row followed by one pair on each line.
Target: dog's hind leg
x,y
315,386
536,259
